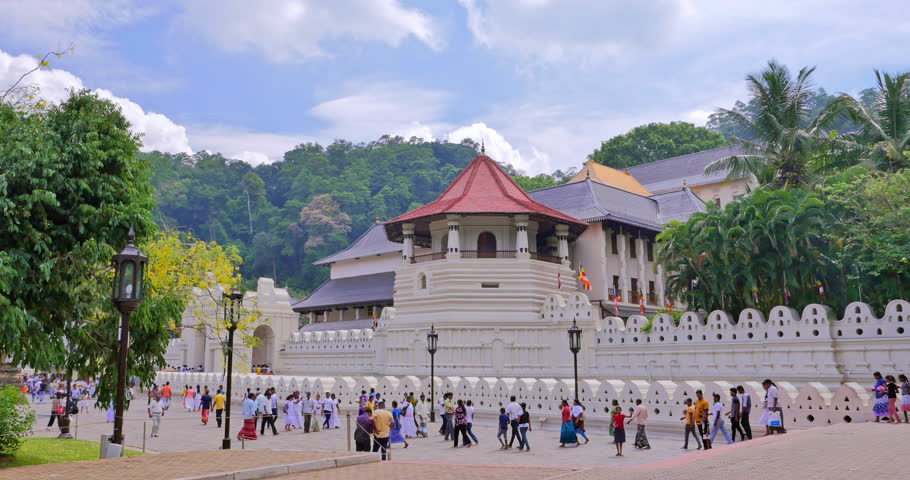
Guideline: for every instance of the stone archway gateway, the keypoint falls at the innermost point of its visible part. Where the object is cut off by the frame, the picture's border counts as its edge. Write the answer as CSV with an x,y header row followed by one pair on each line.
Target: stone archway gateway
x,y
264,351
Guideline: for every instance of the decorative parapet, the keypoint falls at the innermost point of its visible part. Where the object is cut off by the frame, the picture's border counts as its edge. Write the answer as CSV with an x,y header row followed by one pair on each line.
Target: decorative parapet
x,y
329,341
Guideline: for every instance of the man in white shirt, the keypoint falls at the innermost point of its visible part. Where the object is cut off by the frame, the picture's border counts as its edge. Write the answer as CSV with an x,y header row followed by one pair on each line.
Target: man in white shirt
x,y
513,410
269,412
307,410
640,417
262,406
156,411
717,414
317,409
745,409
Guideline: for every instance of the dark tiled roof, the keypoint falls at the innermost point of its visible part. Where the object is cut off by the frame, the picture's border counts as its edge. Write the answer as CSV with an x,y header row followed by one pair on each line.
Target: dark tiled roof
x,y
668,174
594,202
343,325
360,290
373,242
678,205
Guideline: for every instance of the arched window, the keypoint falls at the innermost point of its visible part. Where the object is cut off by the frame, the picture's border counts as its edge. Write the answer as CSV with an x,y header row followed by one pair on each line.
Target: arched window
x,y
486,245
422,282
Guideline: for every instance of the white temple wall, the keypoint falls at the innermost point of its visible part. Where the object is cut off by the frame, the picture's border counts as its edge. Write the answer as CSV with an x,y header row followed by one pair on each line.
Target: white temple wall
x,y
387,262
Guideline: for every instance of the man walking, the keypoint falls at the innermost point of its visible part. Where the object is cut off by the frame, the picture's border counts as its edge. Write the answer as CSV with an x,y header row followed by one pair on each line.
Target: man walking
x,y
772,396
690,425
735,415
262,408
449,408
640,417
156,411
265,410
205,403
719,420
382,426
327,410
701,417
307,409
166,395
514,411
745,408
274,403
219,406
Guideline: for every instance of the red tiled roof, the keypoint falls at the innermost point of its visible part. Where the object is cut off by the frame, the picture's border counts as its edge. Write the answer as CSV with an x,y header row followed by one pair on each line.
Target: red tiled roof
x,y
483,188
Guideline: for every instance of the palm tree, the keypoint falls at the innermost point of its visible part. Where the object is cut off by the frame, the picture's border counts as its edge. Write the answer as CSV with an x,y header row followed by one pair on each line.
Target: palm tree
x,y
783,129
887,125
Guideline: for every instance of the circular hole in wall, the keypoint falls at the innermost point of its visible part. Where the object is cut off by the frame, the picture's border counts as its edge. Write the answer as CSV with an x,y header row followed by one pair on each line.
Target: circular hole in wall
x,y
635,339
810,418
859,331
847,419
689,337
661,338
780,333
720,337
656,411
815,333
750,335
900,330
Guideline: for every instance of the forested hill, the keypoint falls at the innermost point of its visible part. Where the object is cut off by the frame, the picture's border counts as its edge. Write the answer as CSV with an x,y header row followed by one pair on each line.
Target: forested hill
x,y
288,214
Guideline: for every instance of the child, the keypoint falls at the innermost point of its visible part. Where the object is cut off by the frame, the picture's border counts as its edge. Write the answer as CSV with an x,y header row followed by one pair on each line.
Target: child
x,y
619,429
905,396
892,390
503,434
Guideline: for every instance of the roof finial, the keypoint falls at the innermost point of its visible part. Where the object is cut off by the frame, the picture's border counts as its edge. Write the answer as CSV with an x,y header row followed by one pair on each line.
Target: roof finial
x,y
685,183
483,148
378,220
588,173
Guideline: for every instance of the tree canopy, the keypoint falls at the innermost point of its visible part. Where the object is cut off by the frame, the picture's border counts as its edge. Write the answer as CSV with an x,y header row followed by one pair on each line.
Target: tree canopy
x,y
656,141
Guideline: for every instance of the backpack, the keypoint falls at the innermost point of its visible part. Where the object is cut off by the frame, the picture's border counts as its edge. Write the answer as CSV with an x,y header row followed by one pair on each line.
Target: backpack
x,y
73,408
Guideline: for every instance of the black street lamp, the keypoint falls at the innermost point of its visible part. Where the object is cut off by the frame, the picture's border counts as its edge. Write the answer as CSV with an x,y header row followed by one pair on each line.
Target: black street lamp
x,y
129,265
575,347
432,340
231,317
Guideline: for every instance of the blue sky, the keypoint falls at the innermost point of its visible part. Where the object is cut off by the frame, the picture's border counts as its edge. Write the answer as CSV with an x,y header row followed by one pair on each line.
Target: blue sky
x,y
542,82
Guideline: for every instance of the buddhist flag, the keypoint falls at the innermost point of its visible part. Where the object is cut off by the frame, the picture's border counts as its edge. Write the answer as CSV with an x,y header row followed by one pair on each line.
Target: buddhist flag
x,y
641,302
787,297
820,285
583,277
616,300
669,303
373,317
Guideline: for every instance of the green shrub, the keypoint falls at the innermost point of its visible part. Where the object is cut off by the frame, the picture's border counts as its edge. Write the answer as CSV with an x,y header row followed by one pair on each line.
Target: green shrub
x,y
16,419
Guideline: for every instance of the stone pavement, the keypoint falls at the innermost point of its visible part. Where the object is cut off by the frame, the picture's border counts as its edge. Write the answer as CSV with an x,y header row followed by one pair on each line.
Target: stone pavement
x,y
845,451
182,431
171,465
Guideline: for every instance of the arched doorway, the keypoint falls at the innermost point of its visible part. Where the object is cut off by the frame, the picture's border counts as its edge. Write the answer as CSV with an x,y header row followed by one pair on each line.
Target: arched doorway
x,y
264,351
486,245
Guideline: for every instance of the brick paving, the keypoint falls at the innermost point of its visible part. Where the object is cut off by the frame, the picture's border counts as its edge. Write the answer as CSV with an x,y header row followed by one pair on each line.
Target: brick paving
x,y
165,466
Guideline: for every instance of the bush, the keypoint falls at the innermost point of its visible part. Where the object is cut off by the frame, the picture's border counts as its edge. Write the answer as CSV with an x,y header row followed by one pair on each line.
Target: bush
x,y
16,419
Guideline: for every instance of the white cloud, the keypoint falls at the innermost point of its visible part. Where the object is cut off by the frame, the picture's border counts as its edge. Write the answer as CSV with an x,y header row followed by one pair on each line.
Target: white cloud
x,y
370,110
158,131
498,148
252,147
293,31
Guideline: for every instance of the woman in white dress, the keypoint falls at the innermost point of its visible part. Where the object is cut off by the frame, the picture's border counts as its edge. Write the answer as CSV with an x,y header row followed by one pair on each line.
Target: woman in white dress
x,y
298,411
289,413
408,427
334,422
423,416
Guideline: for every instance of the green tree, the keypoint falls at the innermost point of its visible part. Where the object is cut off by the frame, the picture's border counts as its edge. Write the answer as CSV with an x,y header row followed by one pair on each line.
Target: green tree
x,y
655,141
885,120
783,132
16,419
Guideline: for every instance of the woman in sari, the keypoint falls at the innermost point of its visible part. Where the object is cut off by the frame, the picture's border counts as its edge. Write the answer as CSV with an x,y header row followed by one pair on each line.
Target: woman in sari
x,y
880,408
567,433
408,426
249,419
335,421
395,433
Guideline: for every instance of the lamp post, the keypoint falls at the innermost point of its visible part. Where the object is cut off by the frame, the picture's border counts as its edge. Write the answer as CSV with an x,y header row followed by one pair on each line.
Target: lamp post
x,y
129,266
575,347
432,340
231,315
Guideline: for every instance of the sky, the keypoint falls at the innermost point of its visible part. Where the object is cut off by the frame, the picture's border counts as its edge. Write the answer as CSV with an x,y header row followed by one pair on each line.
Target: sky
x,y
541,82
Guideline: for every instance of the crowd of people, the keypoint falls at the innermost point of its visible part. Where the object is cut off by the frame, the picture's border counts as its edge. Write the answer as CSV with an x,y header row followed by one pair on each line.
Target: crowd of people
x,y
260,369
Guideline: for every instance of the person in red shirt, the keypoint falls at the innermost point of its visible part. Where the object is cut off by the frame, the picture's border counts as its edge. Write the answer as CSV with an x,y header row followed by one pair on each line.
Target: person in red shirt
x,y
166,395
619,429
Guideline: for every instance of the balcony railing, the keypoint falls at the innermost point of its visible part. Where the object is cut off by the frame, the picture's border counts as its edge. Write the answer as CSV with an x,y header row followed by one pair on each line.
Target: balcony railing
x,y
545,258
488,253
429,257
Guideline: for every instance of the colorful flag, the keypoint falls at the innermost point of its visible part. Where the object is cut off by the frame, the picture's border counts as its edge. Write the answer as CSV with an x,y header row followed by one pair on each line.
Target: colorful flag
x,y
583,277
669,303
558,279
820,285
373,317
787,297
641,302
616,300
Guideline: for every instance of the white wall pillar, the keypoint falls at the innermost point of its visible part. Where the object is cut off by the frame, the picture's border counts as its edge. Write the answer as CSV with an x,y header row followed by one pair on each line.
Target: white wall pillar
x,y
454,247
660,284
562,234
624,282
521,236
643,278
407,252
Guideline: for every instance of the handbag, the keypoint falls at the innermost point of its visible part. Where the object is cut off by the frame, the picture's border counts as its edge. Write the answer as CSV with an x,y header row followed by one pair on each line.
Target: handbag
x,y
774,419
